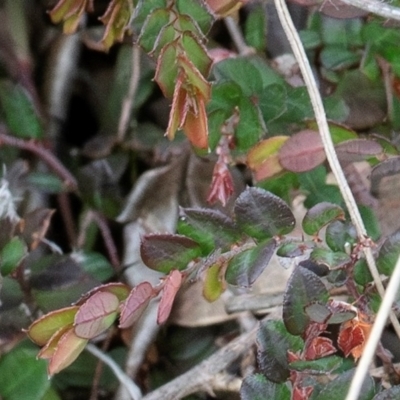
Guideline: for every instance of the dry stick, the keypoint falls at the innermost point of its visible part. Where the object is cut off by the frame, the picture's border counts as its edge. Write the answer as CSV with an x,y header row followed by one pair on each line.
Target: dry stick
x,y
42,153
199,377
128,100
101,222
375,335
237,37
124,379
377,7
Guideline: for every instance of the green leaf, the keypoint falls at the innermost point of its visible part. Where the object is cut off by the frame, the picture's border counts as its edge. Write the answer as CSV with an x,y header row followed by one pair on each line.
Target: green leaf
x,y
251,76
311,39
321,365
273,343
337,58
263,215
257,387
45,327
389,253
319,216
255,27
246,267
11,255
361,273
22,376
46,182
314,185
196,52
197,11
338,388
249,129
214,284
19,111
96,265
152,28
144,8
166,252
371,222
303,288
332,259
340,235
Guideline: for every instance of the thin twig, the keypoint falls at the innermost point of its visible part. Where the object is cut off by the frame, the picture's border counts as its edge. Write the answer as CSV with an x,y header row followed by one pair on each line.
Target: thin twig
x,y
44,154
124,379
304,65
108,239
376,332
200,377
237,37
377,7
128,100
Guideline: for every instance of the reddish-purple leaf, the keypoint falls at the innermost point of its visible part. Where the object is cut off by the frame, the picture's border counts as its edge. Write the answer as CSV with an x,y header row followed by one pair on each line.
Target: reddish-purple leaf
x,y
171,286
96,315
116,288
135,304
68,349
302,152
357,150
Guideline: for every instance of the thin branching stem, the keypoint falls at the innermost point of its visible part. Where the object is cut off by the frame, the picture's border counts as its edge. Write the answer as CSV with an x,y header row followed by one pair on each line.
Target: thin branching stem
x,y
124,379
127,103
377,7
44,154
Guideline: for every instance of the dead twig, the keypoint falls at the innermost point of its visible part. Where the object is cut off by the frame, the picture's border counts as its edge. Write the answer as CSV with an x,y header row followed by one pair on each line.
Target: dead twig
x,y
200,377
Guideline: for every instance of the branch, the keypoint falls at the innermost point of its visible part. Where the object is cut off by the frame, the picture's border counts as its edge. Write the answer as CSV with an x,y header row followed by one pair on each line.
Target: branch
x,y
44,154
200,377
377,7
301,57
128,100
133,390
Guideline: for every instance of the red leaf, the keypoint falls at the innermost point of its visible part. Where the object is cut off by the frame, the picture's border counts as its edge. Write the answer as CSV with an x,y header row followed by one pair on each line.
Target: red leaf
x,y
68,349
196,125
96,315
179,109
302,393
221,186
319,347
135,304
302,152
171,286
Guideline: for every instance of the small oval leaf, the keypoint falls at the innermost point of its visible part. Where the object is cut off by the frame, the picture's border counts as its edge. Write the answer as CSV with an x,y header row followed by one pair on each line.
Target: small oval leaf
x,y
273,343
246,267
257,387
302,152
68,349
357,150
319,216
41,330
135,304
96,315
171,286
389,253
303,288
166,251
211,229
214,283
263,215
